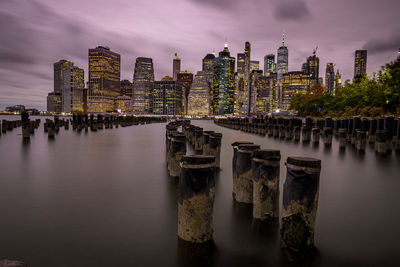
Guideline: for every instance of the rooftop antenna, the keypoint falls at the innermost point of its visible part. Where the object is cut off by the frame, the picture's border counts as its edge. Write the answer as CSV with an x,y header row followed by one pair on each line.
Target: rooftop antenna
x,y
283,38
315,50
226,42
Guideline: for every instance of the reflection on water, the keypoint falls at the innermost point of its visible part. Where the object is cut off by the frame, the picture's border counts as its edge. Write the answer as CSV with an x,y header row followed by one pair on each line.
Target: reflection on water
x,y
104,199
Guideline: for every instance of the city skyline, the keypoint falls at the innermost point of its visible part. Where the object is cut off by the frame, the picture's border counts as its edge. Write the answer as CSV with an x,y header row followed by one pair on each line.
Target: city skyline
x,y
49,31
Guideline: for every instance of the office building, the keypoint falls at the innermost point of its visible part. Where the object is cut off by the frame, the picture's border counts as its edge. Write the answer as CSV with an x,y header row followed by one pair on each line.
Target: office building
x,y
269,64
54,104
292,83
313,68
167,98
224,83
360,63
126,88
282,65
254,65
254,76
330,77
142,88
104,79
185,78
74,85
199,96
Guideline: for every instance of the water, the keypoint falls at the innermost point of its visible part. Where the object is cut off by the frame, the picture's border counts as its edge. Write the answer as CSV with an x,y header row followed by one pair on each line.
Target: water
x,y
104,199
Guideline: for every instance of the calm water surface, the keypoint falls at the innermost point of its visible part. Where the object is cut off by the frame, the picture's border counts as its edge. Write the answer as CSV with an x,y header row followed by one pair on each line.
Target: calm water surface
x,y
104,199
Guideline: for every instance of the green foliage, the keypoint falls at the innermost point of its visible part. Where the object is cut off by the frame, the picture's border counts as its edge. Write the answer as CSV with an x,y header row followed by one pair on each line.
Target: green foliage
x,y
366,96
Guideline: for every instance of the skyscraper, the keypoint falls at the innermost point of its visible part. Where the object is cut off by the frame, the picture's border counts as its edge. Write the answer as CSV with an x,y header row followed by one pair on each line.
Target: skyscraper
x,y
254,76
54,104
126,88
338,79
104,79
167,98
283,60
313,68
330,77
142,89
176,67
264,94
199,97
246,79
208,69
185,78
59,68
292,83
224,83
72,96
360,63
269,64
254,65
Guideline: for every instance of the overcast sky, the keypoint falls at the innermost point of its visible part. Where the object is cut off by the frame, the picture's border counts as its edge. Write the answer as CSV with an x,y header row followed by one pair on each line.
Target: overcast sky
x,y
36,33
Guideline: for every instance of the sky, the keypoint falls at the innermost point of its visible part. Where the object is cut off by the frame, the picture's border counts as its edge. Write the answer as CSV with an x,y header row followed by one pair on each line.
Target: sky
x,y
36,33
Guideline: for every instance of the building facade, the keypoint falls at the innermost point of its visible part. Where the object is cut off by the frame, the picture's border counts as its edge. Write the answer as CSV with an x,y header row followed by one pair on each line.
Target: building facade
x,y
282,64
123,104
54,104
269,64
292,83
142,88
254,65
72,96
104,79
360,63
185,78
330,77
199,96
224,83
264,95
338,79
59,68
167,98
176,67
126,88
254,76
246,80
313,68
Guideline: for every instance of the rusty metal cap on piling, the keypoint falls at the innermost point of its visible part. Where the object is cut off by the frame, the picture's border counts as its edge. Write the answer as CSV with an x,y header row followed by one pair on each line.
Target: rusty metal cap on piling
x,y
197,161
304,162
266,154
248,148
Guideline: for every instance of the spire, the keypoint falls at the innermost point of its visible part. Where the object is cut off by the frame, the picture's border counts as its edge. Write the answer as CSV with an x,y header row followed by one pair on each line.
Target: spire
x,y
283,38
176,57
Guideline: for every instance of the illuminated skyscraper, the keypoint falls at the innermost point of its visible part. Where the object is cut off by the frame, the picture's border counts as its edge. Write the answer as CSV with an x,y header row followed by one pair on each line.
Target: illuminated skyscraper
x,y
254,65
126,88
74,84
224,83
360,62
167,98
208,69
264,94
54,102
254,76
313,68
185,78
199,96
292,83
240,65
176,67
59,68
330,77
246,80
269,64
338,79
283,60
142,89
104,79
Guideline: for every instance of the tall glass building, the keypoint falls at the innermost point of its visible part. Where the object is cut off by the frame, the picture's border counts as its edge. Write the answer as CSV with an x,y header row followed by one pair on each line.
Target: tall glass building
x,y
74,84
224,83
142,88
254,76
360,62
269,64
292,83
246,79
104,79
199,97
185,78
330,77
167,98
313,68
282,65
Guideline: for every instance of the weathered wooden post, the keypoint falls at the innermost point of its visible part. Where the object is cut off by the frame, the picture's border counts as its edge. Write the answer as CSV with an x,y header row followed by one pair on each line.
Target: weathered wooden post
x,y
206,142
177,150
380,137
235,146
242,190
196,198
389,125
361,140
342,138
215,147
26,125
300,203
316,135
50,129
198,140
328,131
265,170
306,130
